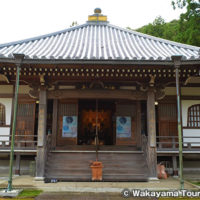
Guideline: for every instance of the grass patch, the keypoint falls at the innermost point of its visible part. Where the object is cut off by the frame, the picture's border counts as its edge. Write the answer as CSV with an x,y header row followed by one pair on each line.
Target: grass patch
x,y
29,193
196,183
26,194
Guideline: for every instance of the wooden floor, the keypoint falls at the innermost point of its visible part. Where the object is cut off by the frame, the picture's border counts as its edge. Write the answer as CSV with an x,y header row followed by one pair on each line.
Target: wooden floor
x,y
75,166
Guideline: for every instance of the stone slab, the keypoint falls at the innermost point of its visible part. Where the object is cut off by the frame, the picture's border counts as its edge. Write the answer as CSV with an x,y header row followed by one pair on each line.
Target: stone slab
x,y
12,193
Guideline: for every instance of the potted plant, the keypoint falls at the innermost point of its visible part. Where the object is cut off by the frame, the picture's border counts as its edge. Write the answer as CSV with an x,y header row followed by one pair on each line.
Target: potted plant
x,y
96,168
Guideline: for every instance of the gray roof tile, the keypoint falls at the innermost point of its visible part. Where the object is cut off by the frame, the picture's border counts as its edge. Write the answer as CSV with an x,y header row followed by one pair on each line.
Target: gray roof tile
x,y
98,41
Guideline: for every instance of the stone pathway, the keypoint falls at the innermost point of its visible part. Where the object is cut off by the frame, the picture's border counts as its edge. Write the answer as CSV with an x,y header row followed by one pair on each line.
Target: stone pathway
x,y
28,182
3,179
83,196
90,190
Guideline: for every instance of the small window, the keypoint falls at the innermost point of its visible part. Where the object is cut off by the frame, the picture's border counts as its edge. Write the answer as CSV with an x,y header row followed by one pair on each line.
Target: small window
x,y
2,115
194,116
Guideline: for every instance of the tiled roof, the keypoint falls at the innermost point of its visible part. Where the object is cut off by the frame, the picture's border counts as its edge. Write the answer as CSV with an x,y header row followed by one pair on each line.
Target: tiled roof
x,y
98,41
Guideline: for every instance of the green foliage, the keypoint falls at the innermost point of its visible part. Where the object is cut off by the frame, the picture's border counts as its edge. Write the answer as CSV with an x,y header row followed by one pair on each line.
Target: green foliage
x,y
156,28
190,23
185,30
159,28
74,23
183,3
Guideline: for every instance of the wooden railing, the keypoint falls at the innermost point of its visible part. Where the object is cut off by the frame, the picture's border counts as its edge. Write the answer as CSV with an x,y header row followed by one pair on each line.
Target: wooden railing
x,y
22,142
191,143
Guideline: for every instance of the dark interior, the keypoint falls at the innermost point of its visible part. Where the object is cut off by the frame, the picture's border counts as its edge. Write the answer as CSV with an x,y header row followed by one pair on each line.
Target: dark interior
x,y
88,111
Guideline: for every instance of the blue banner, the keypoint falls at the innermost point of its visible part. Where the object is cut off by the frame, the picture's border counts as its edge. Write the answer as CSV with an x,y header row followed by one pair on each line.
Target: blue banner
x,y
123,127
69,126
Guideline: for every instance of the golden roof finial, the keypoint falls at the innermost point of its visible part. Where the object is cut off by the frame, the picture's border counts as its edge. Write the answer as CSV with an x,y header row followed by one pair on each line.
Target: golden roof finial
x,y
97,16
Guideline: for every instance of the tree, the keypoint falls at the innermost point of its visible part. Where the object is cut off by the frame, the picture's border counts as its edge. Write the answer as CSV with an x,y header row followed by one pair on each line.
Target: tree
x,y
184,3
189,25
156,28
185,30
160,28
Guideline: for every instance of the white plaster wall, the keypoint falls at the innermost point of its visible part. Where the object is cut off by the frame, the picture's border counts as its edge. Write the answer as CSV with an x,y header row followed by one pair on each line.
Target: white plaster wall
x,y
7,102
189,132
6,130
185,105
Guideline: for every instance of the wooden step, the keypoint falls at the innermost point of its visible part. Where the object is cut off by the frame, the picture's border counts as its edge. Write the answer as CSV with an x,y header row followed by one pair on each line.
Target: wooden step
x,y
74,158
139,178
75,166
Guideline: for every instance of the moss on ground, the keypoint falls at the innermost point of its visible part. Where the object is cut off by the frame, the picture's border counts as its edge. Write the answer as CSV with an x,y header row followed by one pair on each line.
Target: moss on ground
x,y
196,183
30,193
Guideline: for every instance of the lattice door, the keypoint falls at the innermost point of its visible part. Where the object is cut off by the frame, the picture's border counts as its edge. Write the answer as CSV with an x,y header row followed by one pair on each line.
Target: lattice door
x,y
25,123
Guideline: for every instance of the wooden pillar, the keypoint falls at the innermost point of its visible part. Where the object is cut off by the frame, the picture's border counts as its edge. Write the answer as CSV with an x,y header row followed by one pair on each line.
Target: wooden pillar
x,y
54,123
138,124
17,164
151,127
41,144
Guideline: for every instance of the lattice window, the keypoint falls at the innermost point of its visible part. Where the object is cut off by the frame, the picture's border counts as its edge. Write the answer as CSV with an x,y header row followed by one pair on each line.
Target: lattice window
x,y
2,115
194,116
167,111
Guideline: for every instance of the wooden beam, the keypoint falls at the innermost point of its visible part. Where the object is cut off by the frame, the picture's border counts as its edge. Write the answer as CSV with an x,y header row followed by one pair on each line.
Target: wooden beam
x,y
41,150
20,96
100,94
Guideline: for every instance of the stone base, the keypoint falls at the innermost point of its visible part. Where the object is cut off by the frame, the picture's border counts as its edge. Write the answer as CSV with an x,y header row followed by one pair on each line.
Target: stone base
x,y
17,172
175,172
12,193
39,178
153,179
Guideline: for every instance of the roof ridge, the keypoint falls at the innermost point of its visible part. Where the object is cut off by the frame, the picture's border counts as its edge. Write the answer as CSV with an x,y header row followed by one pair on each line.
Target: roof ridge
x,y
42,36
155,38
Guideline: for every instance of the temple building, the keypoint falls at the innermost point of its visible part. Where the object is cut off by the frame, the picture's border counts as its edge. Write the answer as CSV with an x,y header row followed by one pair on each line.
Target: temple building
x,y
100,92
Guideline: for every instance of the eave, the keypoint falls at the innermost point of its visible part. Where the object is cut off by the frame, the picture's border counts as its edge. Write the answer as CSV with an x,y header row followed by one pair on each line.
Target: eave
x,y
102,62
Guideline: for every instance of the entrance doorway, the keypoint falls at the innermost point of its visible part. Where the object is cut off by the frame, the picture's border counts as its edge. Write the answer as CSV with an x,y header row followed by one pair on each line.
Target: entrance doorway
x,y
88,122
